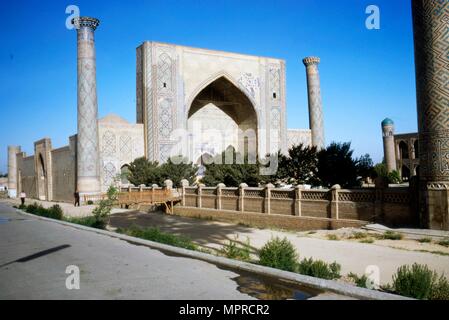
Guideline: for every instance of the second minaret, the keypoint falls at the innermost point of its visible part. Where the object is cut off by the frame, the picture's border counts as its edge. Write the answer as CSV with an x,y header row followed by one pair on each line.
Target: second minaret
x,y
316,118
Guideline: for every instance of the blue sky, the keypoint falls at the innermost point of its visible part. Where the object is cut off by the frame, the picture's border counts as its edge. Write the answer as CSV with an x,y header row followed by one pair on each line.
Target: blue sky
x,y
366,75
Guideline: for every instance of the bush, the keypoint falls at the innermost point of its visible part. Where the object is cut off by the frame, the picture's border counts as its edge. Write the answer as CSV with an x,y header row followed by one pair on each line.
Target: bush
x,y
419,282
391,235
319,269
332,237
101,214
279,254
85,221
235,251
444,243
416,281
360,282
425,240
154,234
90,202
367,240
359,235
55,212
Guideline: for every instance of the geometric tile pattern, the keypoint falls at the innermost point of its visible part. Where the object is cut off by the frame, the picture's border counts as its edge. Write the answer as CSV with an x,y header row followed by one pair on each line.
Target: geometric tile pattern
x,y
431,30
125,147
165,119
109,174
275,83
315,103
164,72
149,104
88,153
109,144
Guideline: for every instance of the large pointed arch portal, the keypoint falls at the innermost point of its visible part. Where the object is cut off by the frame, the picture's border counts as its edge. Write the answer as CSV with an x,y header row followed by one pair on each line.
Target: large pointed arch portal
x,y
221,115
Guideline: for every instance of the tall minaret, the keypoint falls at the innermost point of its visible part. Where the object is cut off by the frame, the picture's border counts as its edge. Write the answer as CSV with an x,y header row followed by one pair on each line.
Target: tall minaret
x,y
88,172
389,150
316,119
431,29
12,171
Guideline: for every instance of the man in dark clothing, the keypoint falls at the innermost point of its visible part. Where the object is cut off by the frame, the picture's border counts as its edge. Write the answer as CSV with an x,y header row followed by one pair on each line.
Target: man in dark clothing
x,y
77,198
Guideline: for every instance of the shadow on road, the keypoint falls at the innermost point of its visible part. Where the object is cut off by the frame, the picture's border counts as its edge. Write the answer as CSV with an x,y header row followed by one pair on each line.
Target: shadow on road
x,y
37,255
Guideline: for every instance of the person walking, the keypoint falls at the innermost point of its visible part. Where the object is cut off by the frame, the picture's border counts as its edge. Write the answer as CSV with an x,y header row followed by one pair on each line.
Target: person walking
x,y
23,196
77,198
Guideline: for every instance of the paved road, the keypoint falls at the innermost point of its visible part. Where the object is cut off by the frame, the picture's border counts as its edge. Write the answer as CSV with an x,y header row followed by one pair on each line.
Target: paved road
x,y
34,255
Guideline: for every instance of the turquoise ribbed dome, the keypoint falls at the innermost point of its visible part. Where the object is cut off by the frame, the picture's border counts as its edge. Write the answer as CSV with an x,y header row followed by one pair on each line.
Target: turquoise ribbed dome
x,y
387,122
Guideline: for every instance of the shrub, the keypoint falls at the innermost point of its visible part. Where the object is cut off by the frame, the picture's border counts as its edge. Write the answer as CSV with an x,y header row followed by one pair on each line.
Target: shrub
x,y
367,240
441,289
90,221
279,254
360,282
444,243
101,214
90,202
391,235
332,237
359,235
55,212
416,281
32,208
154,234
319,269
425,240
235,251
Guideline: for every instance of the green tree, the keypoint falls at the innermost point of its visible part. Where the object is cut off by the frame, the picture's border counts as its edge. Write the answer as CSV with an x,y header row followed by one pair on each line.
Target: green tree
x,y
232,174
142,171
301,165
176,169
380,170
365,166
336,165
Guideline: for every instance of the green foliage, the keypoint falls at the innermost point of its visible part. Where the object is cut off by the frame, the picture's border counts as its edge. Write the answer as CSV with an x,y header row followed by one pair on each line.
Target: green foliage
x,y
365,166
319,269
391,235
279,254
177,169
112,193
299,167
367,240
417,281
336,165
154,234
444,243
360,282
89,221
101,214
425,240
380,170
142,171
55,212
359,235
232,169
235,250
332,237
440,290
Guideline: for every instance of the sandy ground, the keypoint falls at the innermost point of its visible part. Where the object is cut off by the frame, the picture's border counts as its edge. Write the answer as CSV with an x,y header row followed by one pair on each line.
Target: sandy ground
x,y
354,256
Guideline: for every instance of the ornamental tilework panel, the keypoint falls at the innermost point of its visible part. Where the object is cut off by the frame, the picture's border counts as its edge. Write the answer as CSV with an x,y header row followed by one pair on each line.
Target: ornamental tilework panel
x,y
164,151
165,119
149,104
125,148
250,84
431,24
109,144
275,121
87,115
164,73
109,173
139,84
275,82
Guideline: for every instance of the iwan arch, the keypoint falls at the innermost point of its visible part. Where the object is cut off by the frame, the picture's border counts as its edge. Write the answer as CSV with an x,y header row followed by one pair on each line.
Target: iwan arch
x,y
238,98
